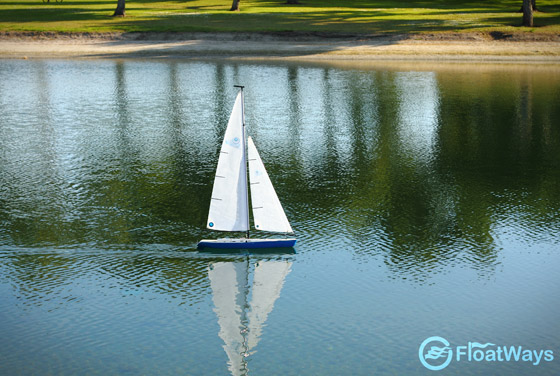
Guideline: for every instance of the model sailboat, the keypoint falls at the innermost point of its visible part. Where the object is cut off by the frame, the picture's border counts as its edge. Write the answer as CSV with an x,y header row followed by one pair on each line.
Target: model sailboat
x,y
229,206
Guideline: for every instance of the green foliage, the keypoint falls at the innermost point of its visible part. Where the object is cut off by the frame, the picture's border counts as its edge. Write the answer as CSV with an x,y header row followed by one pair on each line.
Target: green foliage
x,y
350,16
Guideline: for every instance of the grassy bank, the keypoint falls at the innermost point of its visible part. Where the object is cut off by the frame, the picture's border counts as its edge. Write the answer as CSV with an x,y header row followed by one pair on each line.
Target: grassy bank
x,y
348,16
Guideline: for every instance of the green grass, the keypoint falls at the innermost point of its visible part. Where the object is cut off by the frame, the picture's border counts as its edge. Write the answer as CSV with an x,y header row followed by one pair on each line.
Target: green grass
x,y
341,16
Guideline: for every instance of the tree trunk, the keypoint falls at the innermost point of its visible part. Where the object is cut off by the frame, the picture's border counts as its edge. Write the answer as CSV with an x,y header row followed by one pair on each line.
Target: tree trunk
x,y
527,13
533,5
119,12
235,5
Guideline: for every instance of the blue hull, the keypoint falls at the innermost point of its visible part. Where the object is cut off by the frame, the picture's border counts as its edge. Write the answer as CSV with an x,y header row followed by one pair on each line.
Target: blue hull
x,y
247,243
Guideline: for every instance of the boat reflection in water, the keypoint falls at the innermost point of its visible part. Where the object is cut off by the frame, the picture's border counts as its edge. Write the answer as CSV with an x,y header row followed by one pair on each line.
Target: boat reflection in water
x,y
242,319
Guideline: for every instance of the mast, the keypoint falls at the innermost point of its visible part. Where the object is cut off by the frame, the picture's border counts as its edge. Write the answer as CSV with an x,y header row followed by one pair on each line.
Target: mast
x,y
245,151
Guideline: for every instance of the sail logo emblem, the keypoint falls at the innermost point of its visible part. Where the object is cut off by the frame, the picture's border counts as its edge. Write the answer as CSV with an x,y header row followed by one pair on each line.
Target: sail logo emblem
x,y
436,353
235,142
431,359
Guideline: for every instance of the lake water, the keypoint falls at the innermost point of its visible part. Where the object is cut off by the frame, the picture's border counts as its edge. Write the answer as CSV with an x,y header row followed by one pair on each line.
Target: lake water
x,y
425,200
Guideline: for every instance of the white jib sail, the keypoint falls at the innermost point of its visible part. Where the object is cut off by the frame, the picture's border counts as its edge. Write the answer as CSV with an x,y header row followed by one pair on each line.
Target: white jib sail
x,y
267,210
228,206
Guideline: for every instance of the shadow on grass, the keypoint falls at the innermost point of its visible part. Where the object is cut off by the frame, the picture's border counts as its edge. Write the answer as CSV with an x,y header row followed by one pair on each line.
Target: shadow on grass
x,y
71,10
335,22
53,15
65,3
391,4
539,20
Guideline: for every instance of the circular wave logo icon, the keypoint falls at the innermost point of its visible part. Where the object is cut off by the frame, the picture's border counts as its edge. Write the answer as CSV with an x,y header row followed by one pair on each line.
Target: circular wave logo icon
x,y
435,353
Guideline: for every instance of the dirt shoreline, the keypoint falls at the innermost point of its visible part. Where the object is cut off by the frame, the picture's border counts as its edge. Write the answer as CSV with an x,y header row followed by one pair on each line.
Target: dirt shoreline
x,y
487,47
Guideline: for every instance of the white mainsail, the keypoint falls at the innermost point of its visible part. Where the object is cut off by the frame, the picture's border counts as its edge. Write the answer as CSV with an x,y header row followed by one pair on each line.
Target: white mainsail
x,y
229,209
268,213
